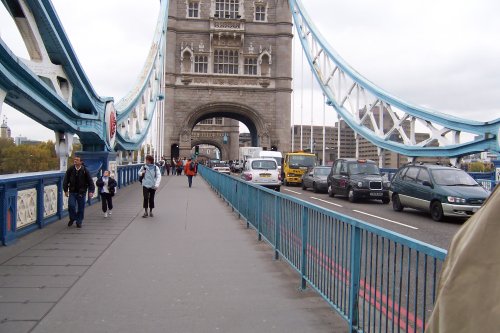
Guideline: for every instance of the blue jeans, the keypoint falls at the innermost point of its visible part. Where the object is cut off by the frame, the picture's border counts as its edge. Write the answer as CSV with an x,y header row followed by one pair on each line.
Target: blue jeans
x,y
75,200
190,180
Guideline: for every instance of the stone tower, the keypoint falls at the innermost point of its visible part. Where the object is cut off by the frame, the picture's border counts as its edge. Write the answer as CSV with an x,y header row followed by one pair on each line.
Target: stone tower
x,y
230,59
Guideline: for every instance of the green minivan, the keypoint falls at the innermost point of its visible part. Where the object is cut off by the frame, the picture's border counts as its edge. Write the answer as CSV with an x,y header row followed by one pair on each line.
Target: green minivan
x,y
440,190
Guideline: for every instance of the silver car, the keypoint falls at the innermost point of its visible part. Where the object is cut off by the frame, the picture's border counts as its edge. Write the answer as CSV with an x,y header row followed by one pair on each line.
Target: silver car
x,y
316,178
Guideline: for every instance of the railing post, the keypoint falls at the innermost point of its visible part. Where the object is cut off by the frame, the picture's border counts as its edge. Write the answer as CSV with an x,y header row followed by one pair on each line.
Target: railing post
x,y
277,227
39,202
303,263
354,278
259,215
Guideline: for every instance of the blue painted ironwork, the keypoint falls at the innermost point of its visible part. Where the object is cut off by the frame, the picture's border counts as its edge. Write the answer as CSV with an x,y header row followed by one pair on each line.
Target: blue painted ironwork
x,y
80,111
378,280
386,121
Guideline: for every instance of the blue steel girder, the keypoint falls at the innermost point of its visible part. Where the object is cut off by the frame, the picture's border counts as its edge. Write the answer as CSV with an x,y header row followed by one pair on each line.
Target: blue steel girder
x,y
387,121
66,101
29,94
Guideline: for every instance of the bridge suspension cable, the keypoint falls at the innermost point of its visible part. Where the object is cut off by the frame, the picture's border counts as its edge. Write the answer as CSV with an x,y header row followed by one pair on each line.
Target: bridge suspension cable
x,y
384,120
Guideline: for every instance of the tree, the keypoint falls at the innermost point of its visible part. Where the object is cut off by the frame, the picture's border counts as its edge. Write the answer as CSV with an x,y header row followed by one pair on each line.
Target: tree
x,y
28,158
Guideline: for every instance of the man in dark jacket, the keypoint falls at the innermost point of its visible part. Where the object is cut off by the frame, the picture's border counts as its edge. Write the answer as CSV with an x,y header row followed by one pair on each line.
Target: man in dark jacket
x,y
77,180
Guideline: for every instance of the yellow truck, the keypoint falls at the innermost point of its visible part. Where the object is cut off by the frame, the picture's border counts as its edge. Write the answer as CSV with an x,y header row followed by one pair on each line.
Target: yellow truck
x,y
295,165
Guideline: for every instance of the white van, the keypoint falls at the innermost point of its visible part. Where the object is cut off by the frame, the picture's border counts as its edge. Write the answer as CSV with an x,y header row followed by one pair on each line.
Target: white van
x,y
276,155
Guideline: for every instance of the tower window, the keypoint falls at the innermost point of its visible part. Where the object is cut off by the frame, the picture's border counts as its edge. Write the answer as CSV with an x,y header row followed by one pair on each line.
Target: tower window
x,y
227,8
194,9
226,62
250,66
260,13
200,64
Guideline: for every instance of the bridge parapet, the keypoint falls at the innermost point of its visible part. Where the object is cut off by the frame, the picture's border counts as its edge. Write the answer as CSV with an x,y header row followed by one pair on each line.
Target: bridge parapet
x,y
30,201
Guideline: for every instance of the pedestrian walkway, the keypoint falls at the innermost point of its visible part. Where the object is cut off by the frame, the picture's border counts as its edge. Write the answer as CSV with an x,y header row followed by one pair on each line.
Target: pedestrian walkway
x,y
191,268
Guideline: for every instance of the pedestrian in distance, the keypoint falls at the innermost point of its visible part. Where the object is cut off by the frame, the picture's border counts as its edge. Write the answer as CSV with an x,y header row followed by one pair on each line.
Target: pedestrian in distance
x,y
106,186
190,170
179,167
77,181
151,177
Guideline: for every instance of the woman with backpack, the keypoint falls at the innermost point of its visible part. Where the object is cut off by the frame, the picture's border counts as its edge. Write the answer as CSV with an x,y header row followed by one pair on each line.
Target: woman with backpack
x,y
106,185
190,170
150,177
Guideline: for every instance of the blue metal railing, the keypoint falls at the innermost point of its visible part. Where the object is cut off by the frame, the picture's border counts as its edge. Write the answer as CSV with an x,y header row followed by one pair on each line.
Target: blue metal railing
x,y
45,204
376,279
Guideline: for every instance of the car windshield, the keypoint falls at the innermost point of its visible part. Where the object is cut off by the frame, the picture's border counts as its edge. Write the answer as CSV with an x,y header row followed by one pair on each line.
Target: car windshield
x,y
263,165
453,177
302,160
322,171
363,169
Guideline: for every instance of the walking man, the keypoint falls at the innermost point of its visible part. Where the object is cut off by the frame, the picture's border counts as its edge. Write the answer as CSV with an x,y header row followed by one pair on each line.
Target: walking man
x,y
190,170
77,181
150,183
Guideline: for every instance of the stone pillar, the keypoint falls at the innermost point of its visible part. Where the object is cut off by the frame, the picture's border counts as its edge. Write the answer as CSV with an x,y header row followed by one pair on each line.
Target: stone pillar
x,y
63,147
497,170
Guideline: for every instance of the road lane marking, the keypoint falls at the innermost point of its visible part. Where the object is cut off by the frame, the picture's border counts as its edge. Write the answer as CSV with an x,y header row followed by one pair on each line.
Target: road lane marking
x,y
328,202
292,191
382,218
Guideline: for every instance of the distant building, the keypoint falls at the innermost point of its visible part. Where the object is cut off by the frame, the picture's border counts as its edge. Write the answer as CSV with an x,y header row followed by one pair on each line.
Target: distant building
x,y
4,129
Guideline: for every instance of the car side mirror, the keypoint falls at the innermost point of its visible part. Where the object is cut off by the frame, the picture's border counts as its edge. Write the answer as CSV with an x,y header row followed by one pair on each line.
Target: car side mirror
x,y
427,183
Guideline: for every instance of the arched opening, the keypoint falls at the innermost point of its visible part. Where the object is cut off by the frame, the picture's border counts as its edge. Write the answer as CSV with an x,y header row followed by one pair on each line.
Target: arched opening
x,y
186,62
174,151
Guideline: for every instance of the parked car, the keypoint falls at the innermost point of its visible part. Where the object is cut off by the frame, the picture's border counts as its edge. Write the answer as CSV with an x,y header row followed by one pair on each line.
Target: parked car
x,y
440,190
222,168
262,171
316,178
356,179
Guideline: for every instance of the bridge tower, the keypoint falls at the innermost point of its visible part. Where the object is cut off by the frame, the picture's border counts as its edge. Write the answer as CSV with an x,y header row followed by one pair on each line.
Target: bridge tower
x,y
230,59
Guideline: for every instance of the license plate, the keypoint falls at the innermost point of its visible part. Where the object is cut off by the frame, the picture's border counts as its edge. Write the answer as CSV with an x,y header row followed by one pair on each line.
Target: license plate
x,y
376,194
265,175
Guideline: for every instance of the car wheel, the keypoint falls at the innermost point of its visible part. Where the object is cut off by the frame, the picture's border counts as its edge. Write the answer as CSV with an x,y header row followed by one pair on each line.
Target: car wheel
x,y
396,203
285,182
330,191
304,187
351,196
277,189
315,189
385,201
436,211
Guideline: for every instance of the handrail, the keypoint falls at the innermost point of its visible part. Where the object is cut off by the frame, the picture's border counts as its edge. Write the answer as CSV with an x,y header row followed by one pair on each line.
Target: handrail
x,y
374,278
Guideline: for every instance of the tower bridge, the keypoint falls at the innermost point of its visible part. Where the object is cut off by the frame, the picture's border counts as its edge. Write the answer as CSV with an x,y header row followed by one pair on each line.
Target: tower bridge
x,y
231,60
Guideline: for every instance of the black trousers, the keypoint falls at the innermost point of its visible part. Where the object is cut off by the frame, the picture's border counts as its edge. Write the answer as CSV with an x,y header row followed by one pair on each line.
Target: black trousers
x,y
106,201
149,197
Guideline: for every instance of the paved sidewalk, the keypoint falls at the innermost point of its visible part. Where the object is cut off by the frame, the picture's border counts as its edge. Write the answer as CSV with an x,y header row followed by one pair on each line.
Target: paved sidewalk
x,y
191,268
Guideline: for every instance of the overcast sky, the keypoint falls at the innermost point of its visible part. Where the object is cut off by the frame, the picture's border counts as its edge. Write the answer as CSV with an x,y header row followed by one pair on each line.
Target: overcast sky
x,y
442,54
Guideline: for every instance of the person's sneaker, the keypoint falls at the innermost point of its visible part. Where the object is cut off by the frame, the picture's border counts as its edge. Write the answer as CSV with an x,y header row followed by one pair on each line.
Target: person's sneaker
x,y
78,225
70,223
110,212
145,215
105,214
151,214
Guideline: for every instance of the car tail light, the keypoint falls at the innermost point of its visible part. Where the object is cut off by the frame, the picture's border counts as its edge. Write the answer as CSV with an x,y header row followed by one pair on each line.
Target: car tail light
x,y
248,176
279,176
